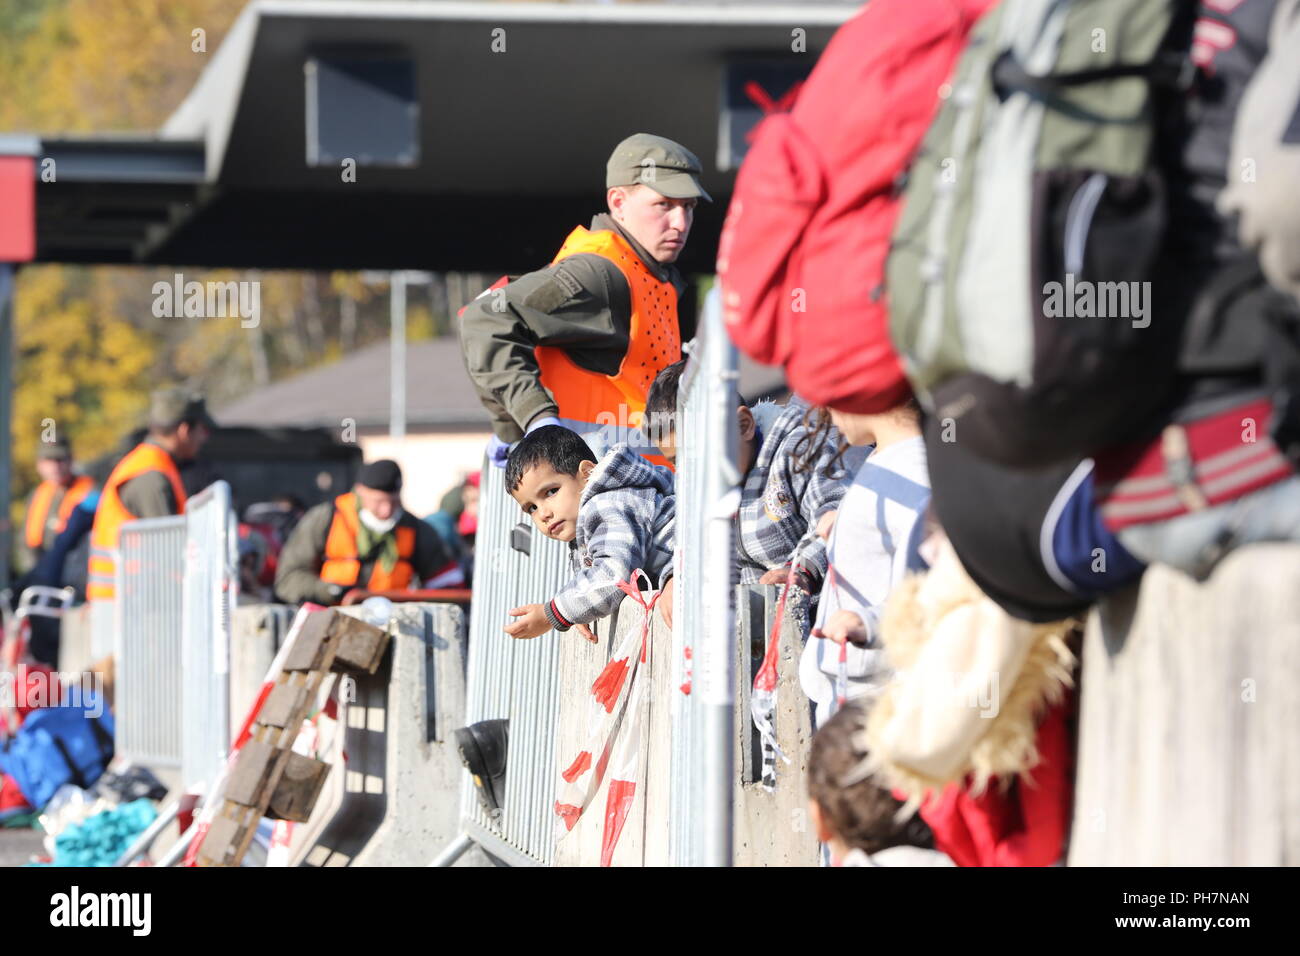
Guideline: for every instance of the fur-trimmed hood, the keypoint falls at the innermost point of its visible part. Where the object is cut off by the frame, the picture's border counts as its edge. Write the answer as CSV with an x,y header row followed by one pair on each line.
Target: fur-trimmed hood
x,y
971,684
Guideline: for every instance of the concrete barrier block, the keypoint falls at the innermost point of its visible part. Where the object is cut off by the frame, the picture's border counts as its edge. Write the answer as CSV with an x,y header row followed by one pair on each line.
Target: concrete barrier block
x,y
395,801
772,829
1188,754
75,643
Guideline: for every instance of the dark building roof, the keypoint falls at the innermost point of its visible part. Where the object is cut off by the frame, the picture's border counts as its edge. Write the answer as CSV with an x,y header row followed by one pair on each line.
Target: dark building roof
x,y
508,152
438,391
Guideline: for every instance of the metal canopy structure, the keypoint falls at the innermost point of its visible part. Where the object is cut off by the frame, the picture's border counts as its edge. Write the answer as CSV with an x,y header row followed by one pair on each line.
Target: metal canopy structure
x,y
518,107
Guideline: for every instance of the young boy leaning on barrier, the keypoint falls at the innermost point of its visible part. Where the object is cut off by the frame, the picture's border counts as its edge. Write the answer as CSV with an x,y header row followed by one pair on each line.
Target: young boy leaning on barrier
x,y
858,820
782,495
616,513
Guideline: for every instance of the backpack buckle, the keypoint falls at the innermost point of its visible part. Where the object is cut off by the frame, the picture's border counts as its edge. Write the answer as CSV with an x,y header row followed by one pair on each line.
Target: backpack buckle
x,y
1180,468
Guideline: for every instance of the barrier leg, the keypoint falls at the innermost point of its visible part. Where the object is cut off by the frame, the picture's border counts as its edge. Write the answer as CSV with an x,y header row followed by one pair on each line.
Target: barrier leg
x,y
173,856
454,852
145,839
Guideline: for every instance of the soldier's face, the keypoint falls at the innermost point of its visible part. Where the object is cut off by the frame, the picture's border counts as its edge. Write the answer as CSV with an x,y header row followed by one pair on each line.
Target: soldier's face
x,y
190,439
57,470
660,224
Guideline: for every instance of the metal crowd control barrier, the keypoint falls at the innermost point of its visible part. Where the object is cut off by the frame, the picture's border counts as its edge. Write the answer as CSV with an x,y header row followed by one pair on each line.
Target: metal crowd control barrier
x,y
394,799
147,640
211,588
517,680
708,497
177,580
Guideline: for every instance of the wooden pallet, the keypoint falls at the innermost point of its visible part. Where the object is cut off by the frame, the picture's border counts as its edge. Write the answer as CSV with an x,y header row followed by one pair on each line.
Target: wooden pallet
x,y
268,778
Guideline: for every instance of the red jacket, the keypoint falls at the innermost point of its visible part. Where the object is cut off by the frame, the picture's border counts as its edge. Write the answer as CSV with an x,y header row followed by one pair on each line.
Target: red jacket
x,y
1025,826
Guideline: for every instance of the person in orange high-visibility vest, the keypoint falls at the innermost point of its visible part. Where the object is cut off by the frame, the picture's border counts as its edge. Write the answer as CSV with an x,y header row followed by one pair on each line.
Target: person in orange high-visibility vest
x,y
363,538
146,483
54,499
579,342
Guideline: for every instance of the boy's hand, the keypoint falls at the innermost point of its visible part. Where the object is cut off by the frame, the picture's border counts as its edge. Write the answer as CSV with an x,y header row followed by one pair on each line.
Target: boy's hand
x,y
585,631
665,602
825,523
844,626
531,622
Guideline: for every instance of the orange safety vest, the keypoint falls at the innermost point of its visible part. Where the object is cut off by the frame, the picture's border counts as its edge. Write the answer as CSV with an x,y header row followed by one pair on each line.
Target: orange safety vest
x,y
38,512
112,514
654,341
342,564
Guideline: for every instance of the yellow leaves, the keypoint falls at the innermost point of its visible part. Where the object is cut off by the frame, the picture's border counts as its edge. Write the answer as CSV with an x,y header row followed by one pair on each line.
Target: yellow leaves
x,y
107,64
87,368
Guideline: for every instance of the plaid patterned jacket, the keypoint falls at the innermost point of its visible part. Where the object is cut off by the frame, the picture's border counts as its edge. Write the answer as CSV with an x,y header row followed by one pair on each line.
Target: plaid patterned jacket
x,y
778,505
626,520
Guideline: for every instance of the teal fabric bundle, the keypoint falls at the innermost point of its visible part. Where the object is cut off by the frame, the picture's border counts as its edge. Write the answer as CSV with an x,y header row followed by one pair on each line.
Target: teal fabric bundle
x,y
101,839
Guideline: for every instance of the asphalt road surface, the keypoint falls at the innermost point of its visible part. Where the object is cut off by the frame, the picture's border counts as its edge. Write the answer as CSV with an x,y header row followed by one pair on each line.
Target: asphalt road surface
x,y
17,846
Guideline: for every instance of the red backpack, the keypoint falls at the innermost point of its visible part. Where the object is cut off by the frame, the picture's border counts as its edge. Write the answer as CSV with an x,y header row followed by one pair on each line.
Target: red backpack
x,y
802,254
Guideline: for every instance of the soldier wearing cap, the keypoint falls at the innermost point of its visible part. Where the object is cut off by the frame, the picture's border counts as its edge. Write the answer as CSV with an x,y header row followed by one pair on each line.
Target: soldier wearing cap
x,y
579,342
363,538
147,482
54,499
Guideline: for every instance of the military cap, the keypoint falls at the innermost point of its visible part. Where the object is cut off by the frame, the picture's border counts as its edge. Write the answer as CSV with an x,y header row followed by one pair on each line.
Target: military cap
x,y
168,407
57,450
668,168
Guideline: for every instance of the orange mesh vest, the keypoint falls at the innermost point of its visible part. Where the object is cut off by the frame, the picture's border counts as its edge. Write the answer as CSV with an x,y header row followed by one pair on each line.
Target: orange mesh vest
x,y
39,511
654,341
112,514
342,564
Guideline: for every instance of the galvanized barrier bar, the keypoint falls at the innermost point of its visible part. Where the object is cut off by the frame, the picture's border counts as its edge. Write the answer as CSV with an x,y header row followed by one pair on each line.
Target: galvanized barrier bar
x,y
210,590
147,640
514,679
707,500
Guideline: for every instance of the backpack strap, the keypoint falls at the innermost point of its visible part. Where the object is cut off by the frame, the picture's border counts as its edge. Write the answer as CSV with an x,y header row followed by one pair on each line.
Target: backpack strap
x,y
78,777
1169,69
105,740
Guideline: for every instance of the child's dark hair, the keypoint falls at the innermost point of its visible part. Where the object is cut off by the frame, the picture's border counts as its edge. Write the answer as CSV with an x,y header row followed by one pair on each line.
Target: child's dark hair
x,y
862,815
661,402
818,430
554,445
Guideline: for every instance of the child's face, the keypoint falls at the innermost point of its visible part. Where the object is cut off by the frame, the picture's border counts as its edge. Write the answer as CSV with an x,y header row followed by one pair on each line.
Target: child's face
x,y
551,499
856,429
668,446
748,442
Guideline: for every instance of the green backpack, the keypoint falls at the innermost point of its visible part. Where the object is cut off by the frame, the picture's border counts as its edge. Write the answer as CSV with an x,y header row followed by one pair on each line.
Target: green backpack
x,y
1031,299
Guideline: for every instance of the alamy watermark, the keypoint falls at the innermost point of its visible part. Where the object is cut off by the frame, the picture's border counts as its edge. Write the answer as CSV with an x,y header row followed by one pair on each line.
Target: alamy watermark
x,y
938,691
1083,299
208,300
83,689
74,908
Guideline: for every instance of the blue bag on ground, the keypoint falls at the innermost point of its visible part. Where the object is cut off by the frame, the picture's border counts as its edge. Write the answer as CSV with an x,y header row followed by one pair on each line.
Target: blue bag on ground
x,y
72,743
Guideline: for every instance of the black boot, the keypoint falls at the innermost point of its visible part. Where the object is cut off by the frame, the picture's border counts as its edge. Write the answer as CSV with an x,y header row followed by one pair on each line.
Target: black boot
x,y
482,749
